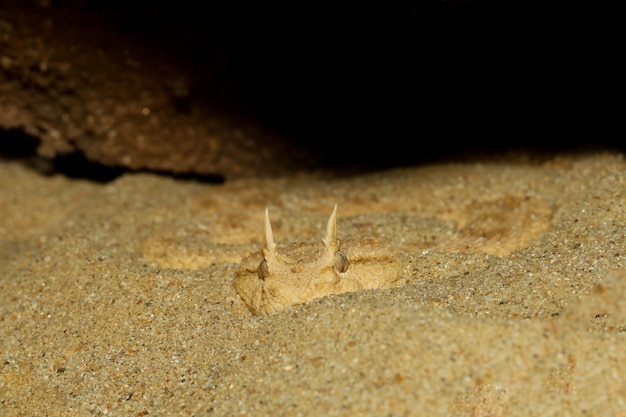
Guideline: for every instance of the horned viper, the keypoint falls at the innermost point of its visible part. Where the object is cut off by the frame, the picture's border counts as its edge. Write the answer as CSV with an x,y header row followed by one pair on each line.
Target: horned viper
x,y
272,279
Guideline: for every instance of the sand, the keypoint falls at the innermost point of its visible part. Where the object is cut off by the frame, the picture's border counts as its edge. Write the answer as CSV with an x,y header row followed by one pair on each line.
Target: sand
x,y
117,298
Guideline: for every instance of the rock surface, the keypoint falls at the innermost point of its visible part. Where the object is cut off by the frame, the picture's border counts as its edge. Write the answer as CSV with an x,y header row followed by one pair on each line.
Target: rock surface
x,y
79,81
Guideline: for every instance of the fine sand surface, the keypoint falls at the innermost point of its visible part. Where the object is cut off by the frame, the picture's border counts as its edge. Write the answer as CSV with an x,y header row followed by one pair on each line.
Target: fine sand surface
x,y
117,299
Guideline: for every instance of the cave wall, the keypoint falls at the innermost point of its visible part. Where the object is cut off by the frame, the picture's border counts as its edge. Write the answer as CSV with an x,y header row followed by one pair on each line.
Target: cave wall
x,y
107,81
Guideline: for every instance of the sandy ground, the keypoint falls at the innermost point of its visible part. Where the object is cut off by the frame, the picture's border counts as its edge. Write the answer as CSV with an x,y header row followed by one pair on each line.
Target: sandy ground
x,y
117,299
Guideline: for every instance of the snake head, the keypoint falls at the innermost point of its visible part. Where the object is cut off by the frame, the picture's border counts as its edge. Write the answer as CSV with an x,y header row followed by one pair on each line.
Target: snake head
x,y
271,280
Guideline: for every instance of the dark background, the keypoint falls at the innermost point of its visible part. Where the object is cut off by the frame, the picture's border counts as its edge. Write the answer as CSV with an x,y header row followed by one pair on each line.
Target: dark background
x,y
394,83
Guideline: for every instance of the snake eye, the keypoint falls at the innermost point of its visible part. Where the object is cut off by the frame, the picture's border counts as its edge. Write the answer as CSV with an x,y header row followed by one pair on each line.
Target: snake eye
x,y
263,270
340,262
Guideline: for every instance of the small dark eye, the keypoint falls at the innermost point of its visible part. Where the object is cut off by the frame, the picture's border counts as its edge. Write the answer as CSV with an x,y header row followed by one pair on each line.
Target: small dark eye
x,y
340,262
264,271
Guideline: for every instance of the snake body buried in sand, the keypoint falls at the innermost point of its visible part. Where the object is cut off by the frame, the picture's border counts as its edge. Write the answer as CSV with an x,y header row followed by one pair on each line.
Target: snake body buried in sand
x,y
271,280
